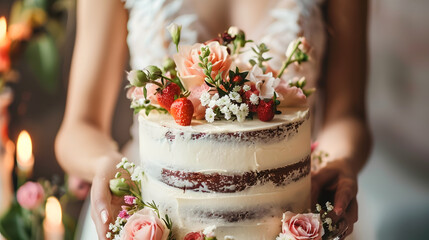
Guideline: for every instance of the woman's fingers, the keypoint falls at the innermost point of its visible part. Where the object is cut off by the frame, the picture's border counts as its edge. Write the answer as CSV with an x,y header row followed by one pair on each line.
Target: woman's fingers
x,y
100,206
345,192
320,180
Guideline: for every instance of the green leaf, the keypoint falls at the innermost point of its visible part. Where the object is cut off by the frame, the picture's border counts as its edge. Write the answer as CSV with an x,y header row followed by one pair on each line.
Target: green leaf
x,y
42,56
14,225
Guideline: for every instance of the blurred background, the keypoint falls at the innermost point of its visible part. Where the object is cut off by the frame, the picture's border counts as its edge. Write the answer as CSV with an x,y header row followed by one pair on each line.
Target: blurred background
x,y
394,186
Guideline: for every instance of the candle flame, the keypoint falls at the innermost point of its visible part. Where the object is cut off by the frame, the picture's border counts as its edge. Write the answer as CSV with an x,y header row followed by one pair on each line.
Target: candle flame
x,y
24,149
3,27
53,211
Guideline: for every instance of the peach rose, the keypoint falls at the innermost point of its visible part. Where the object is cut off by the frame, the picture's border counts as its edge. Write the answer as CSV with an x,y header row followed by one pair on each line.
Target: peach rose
x,y
144,225
30,195
187,60
302,226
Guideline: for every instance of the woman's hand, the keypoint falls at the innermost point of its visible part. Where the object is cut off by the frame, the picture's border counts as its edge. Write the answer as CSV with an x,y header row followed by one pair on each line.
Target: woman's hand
x,y
104,205
337,183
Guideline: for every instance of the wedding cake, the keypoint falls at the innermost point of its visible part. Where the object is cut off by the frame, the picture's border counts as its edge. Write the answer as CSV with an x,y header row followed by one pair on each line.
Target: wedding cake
x,y
239,177
224,144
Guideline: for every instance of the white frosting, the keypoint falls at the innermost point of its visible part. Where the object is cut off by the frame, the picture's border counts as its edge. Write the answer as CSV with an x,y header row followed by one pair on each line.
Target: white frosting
x,y
189,209
222,156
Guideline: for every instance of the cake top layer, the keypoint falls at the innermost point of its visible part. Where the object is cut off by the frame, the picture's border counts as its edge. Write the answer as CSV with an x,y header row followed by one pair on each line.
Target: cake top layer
x,y
288,115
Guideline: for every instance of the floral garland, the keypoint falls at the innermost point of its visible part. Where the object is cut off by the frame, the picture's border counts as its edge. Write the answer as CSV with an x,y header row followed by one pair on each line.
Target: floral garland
x,y
144,219
209,81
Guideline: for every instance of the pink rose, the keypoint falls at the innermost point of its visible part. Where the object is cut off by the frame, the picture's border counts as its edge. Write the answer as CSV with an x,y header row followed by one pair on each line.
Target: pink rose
x,y
78,187
194,236
30,195
187,61
144,225
302,226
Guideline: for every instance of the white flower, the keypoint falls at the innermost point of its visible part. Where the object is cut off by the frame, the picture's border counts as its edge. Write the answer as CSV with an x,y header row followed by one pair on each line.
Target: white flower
x,y
229,238
233,31
318,207
137,174
236,89
244,108
264,83
254,99
234,96
205,98
240,117
127,165
227,115
212,103
225,109
223,101
246,88
122,163
108,235
210,115
233,108
209,231
215,96
329,206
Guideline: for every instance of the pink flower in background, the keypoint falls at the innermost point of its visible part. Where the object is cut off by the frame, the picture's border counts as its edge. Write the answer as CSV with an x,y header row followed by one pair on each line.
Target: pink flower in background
x,y
130,200
302,226
30,195
144,225
78,187
187,61
194,236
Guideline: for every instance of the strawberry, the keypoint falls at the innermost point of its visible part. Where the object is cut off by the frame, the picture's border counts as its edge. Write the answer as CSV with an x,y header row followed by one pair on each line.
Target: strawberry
x,y
182,110
266,110
165,97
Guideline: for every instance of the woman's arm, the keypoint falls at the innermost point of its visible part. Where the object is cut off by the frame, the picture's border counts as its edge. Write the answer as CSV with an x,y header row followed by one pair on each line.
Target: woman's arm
x,y
84,146
345,135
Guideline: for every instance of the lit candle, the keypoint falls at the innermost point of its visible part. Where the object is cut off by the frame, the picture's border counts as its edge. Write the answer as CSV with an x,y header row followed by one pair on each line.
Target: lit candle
x,y
24,154
4,46
52,225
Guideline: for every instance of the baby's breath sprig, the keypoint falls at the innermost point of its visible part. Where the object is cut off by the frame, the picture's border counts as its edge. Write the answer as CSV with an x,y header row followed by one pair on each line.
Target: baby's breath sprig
x,y
260,59
324,211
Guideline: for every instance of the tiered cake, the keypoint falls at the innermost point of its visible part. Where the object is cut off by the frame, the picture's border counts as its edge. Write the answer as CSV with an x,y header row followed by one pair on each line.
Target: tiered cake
x,y
239,177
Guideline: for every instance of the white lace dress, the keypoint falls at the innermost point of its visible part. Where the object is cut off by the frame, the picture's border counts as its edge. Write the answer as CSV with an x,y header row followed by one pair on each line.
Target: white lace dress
x,y
149,42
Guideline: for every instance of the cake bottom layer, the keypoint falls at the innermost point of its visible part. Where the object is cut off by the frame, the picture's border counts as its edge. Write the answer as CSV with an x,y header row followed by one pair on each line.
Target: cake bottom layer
x,y
251,214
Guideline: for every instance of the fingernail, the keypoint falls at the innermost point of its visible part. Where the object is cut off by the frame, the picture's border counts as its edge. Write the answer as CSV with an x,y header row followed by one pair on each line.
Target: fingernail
x,y
104,216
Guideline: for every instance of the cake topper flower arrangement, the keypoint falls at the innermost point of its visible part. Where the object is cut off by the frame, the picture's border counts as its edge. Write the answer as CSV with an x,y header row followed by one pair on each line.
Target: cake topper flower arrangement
x,y
211,81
